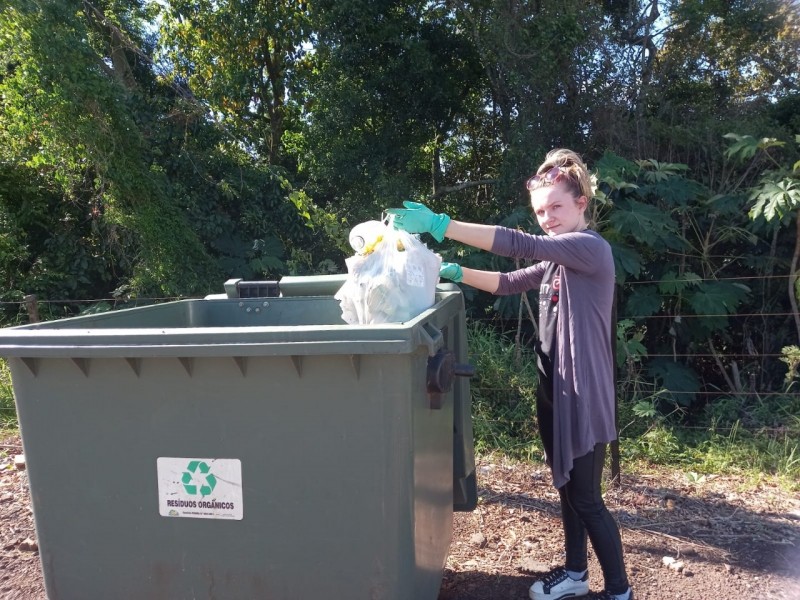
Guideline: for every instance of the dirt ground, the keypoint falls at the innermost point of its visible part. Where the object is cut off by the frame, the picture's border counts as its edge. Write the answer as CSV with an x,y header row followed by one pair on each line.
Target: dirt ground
x,y
686,537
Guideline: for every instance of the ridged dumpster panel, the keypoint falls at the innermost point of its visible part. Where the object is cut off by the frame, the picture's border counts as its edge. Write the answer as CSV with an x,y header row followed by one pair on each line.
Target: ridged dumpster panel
x,y
200,450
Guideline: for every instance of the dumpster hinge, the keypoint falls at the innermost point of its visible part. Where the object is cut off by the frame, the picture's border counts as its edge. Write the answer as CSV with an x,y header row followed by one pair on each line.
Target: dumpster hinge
x,y
431,337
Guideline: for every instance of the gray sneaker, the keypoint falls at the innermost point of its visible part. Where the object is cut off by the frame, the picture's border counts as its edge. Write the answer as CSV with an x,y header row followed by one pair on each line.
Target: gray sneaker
x,y
557,584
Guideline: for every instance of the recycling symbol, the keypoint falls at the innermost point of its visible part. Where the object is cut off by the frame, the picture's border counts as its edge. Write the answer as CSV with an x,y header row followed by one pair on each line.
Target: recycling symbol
x,y
198,472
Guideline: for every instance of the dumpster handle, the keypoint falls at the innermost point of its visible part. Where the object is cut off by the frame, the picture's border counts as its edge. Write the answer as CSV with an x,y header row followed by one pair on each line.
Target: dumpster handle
x,y
431,337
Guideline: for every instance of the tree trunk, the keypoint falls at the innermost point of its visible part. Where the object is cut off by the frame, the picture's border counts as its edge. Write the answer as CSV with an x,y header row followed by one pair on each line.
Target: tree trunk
x,y
793,277
616,471
436,166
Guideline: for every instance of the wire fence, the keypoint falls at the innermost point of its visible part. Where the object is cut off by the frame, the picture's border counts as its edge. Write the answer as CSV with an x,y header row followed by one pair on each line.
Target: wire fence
x,y
20,303
30,305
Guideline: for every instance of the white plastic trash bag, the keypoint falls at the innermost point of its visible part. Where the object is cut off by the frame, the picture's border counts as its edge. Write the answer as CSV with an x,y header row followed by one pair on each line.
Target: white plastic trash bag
x,y
392,277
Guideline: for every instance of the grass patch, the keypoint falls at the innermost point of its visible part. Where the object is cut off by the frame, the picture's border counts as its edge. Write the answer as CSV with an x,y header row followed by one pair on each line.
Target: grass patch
x,y
8,409
750,437
737,450
503,395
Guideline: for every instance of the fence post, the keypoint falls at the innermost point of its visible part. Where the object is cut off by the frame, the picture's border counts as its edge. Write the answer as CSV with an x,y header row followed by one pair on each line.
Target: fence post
x,y
615,466
32,307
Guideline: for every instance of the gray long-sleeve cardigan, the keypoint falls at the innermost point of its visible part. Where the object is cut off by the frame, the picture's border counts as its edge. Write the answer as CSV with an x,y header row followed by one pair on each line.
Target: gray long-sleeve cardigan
x,y
583,369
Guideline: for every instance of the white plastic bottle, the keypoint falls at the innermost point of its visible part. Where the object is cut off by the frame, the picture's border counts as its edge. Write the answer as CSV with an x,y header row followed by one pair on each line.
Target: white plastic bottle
x,y
364,236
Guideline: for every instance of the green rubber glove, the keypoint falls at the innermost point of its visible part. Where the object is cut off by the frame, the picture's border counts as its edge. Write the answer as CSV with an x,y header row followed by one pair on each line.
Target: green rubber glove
x,y
451,271
418,218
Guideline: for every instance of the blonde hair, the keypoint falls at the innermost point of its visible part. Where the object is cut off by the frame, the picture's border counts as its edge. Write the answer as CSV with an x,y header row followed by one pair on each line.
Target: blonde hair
x,y
578,180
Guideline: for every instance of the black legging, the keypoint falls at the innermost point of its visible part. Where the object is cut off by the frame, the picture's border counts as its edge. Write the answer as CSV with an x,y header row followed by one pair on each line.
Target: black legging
x,y
583,512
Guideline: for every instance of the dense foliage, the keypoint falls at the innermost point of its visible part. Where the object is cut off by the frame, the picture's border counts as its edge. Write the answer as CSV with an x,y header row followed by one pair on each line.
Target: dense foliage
x,y
157,148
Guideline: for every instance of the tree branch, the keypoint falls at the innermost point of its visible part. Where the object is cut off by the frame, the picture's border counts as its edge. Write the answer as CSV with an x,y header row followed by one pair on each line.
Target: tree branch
x,y
120,42
793,277
788,82
444,190
722,368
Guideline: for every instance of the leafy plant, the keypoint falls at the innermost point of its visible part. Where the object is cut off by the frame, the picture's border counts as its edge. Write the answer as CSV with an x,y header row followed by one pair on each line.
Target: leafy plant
x,y
777,198
8,411
503,394
663,238
791,356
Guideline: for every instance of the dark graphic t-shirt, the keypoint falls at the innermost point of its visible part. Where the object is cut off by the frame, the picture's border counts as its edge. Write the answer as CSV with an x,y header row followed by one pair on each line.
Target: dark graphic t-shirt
x,y
548,317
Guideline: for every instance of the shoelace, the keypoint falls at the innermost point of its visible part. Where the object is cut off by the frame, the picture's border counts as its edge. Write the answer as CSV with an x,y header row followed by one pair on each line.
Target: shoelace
x,y
555,576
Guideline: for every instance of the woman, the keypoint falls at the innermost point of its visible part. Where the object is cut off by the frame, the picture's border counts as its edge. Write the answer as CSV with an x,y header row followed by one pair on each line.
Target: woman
x,y
575,397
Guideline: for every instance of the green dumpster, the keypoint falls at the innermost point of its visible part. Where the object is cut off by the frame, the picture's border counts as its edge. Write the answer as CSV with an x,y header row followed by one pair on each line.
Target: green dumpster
x,y
245,447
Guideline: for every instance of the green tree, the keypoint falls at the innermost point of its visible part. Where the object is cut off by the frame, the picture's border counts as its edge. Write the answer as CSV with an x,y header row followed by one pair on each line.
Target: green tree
x,y
69,112
392,80
712,67
241,57
183,202
669,234
777,200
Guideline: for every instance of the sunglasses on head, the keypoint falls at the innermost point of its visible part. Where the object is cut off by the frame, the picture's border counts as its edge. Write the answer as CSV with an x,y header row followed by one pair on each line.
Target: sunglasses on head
x,y
547,178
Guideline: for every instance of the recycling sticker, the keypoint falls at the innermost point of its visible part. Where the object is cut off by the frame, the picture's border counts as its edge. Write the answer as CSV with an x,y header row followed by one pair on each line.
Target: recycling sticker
x,y
200,488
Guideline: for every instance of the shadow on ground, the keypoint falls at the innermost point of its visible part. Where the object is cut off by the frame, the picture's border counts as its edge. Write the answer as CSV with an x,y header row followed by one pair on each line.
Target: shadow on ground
x,y
472,585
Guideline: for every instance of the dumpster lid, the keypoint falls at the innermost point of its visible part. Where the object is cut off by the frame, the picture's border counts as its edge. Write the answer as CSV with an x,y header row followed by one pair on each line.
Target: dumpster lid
x,y
181,332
